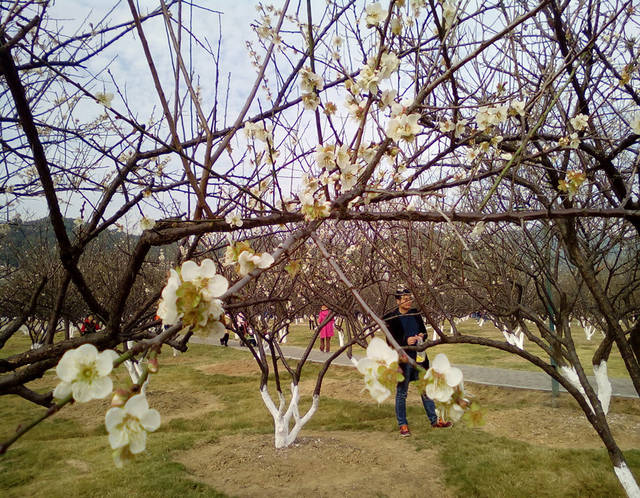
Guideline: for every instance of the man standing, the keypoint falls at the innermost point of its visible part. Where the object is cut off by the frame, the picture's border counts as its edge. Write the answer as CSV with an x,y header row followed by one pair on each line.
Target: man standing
x,y
407,328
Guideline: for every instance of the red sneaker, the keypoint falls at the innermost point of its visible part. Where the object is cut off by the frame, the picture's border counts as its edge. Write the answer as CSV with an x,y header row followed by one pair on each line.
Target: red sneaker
x,y
404,431
441,424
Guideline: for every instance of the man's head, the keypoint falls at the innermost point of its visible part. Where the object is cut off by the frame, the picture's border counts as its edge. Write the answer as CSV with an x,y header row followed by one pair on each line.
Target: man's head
x,y
404,298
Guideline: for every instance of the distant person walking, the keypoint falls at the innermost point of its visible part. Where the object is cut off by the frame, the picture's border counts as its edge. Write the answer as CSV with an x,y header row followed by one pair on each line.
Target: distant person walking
x,y
407,328
326,332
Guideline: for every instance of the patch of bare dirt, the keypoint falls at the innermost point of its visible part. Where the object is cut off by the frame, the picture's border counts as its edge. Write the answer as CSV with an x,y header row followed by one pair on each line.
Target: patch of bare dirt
x,y
174,403
317,465
233,367
561,428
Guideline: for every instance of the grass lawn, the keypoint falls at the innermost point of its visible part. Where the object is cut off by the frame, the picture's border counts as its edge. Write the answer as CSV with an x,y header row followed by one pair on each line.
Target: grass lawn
x,y
472,354
210,393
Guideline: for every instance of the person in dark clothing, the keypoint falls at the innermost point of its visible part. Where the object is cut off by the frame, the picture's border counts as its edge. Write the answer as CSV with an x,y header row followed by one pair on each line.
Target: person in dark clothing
x,y
407,328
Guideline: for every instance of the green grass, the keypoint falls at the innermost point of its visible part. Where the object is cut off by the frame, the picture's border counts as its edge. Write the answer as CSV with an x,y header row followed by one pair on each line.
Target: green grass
x,y
69,455
472,354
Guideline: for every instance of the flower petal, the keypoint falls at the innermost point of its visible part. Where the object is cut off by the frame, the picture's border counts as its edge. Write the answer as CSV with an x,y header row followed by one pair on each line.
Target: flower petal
x,y
137,441
62,390
217,285
118,438
379,350
81,392
113,417
104,362
101,387
150,421
88,353
366,365
67,368
189,271
441,363
137,406
453,376
265,261
208,268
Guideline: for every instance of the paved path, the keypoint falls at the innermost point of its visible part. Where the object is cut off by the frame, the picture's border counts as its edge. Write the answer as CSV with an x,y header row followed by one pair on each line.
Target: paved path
x,y
481,375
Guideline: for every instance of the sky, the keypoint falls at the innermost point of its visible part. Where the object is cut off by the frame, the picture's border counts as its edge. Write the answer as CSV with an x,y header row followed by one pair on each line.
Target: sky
x,y
129,60
126,62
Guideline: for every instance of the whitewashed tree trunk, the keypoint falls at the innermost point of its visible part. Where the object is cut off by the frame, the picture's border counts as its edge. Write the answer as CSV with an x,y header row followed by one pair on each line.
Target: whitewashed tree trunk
x,y
627,480
284,433
135,371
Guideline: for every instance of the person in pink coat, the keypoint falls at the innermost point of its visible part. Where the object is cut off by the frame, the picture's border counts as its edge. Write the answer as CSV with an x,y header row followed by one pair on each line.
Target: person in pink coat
x,y
326,332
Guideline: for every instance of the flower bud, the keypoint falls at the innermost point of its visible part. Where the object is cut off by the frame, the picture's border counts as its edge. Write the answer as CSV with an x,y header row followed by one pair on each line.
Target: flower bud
x,y
153,365
120,397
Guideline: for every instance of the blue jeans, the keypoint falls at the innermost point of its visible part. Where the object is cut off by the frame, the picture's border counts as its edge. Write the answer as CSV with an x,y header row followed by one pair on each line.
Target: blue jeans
x,y
401,398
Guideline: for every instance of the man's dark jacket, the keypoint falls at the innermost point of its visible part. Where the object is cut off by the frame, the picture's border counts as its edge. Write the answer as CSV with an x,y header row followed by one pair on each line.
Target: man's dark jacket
x,y
394,323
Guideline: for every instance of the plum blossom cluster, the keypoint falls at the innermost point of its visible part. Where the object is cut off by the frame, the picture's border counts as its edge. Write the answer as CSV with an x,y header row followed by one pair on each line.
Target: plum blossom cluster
x,y
373,73
443,384
311,203
191,295
328,157
380,369
85,375
258,131
310,84
404,127
572,183
245,258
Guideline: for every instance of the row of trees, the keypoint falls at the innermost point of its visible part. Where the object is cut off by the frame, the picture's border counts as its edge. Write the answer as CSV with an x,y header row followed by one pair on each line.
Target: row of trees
x,y
485,155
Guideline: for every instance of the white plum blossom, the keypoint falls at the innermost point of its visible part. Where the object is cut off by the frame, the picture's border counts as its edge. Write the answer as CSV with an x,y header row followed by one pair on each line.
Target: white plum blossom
x,y
388,97
313,208
204,276
417,5
128,427
348,176
396,25
442,378
574,140
234,219
147,223
375,14
446,126
579,121
368,79
404,127
499,114
310,101
167,310
192,295
449,12
389,64
325,156
249,261
84,373
258,131
517,106
310,81
483,119
380,369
